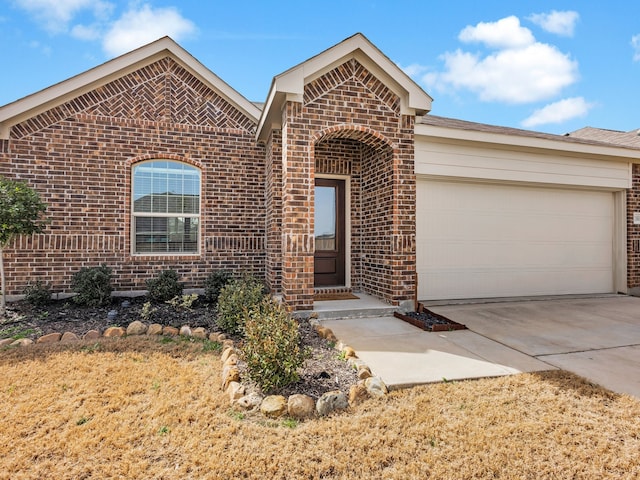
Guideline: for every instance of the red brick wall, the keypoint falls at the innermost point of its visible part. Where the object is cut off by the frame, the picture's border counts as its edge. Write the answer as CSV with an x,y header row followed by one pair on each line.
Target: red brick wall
x,y
78,156
273,205
350,103
633,233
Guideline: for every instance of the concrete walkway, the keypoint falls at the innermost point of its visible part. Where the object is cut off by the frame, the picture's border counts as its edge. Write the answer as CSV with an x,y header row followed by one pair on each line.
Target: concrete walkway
x,y
598,338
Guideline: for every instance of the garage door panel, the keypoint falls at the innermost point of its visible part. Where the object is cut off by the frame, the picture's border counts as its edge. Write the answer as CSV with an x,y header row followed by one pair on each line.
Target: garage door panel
x,y
499,254
484,240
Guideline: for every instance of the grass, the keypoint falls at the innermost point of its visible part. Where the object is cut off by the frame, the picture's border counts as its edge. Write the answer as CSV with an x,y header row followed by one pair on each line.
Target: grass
x,y
140,408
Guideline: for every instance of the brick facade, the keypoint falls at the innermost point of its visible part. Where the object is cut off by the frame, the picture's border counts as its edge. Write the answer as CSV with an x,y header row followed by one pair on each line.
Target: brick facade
x,y
633,233
350,123
79,155
334,118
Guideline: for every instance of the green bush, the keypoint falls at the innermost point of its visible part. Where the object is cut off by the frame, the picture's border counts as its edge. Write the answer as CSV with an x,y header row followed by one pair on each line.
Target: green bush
x,y
37,294
165,286
271,346
214,284
92,286
237,298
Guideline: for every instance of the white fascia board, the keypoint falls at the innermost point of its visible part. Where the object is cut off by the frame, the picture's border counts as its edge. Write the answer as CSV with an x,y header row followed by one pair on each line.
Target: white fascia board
x,y
62,92
618,153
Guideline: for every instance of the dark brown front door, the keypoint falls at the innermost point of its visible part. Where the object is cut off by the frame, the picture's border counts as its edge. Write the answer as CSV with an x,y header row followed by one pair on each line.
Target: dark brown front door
x,y
329,232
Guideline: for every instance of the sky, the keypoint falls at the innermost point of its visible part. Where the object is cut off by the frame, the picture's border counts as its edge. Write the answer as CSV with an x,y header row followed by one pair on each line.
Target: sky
x,y
550,66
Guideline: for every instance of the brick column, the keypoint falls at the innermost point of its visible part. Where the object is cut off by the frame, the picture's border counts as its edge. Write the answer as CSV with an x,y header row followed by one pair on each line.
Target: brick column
x,y
297,211
403,256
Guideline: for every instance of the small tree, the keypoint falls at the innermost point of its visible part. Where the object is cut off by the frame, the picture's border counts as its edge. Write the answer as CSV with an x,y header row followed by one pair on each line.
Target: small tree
x,y
21,213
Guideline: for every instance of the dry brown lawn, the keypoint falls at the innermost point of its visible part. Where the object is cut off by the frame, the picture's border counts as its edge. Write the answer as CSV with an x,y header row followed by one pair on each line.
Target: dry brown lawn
x,y
143,409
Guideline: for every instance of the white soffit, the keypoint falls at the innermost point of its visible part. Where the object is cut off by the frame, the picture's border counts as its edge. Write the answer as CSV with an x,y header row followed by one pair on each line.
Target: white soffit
x,y
290,84
32,105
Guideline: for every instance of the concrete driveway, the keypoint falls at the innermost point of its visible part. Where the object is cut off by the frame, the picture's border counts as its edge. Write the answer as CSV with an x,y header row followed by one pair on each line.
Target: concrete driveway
x,y
597,338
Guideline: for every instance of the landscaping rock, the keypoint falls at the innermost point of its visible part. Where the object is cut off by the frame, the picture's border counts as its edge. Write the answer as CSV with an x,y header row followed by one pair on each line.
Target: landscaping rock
x,y
221,337
358,394
236,391
331,401
331,337
322,331
231,360
136,328
114,332
5,342
301,406
21,342
199,332
170,331
185,331
273,406
376,387
69,337
349,352
213,337
50,338
227,343
154,329
250,402
364,372
226,353
91,335
230,374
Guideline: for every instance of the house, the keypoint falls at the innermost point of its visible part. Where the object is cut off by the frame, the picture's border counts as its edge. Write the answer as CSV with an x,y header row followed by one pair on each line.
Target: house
x,y
342,179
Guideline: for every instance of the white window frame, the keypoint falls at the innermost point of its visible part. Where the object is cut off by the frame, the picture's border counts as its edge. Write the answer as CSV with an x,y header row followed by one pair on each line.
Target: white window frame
x,y
135,215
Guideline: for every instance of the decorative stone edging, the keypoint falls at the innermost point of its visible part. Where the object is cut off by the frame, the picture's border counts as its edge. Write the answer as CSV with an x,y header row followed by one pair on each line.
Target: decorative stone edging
x,y
297,406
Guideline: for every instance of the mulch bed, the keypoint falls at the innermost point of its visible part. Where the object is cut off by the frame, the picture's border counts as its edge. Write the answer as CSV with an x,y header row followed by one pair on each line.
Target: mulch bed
x,y
323,371
429,321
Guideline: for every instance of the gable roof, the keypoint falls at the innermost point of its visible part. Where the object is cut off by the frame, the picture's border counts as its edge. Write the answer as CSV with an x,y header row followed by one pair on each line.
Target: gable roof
x,y
617,137
39,102
453,129
289,85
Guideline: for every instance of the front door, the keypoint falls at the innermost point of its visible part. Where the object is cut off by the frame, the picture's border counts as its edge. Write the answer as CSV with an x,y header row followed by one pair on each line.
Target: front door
x,y
329,260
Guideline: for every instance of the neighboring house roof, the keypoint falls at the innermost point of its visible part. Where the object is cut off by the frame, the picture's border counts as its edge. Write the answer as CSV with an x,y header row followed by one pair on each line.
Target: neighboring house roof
x,y
32,105
289,85
617,137
435,126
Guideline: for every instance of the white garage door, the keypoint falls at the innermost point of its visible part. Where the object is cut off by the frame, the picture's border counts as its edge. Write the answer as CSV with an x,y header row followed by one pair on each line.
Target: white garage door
x,y
481,240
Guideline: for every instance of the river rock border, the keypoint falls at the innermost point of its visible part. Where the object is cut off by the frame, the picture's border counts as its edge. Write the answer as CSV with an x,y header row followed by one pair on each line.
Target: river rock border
x,y
296,406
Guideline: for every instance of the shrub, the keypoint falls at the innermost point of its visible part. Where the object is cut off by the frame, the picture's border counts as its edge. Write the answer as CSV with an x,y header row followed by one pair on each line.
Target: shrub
x,y
37,294
165,286
214,284
236,299
271,346
184,302
92,286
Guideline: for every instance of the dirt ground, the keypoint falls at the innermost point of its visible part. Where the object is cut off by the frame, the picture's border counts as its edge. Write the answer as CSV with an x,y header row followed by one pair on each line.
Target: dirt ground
x,y
147,408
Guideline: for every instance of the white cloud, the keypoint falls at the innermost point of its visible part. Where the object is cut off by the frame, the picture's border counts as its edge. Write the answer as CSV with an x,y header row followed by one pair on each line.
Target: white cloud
x,y
517,68
505,33
139,26
521,75
55,15
84,32
560,23
414,70
559,112
635,43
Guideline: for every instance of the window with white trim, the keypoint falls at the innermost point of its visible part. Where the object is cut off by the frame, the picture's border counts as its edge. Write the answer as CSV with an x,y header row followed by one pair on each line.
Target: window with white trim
x,y
165,208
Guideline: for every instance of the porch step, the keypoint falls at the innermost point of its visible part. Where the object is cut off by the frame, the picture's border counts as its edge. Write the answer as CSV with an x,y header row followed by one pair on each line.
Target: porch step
x,y
362,306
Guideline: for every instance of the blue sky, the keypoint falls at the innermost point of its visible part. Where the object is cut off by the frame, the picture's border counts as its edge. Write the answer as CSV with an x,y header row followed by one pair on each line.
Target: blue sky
x,y
552,66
